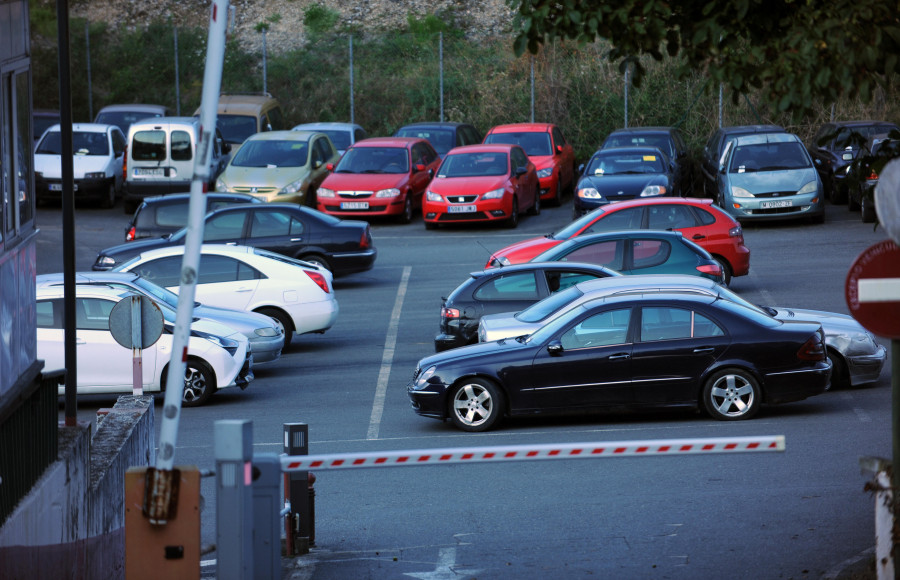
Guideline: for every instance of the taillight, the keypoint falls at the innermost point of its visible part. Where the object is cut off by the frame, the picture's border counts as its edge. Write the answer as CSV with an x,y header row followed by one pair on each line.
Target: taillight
x,y
449,312
366,239
713,269
813,349
125,163
129,236
872,176
319,279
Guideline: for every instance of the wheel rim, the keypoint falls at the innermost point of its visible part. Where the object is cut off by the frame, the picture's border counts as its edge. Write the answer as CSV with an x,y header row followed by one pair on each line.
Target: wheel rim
x,y
195,384
732,395
473,405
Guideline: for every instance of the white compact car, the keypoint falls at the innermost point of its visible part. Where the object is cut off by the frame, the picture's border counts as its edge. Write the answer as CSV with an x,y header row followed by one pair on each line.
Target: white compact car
x,y
297,294
98,150
218,356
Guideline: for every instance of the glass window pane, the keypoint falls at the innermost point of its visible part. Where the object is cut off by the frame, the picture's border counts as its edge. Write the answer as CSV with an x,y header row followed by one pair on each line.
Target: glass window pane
x,y
521,286
603,329
665,324
181,146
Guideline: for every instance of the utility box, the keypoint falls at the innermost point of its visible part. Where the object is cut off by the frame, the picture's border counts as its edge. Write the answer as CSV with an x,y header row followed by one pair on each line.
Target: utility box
x,y
170,550
267,505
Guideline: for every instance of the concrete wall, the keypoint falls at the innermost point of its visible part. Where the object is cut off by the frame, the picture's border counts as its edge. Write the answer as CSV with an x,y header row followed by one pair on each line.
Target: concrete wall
x,y
71,525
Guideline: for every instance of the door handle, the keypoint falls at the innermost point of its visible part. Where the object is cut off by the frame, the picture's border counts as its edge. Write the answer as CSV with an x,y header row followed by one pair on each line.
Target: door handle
x,y
296,239
703,350
698,237
244,289
624,356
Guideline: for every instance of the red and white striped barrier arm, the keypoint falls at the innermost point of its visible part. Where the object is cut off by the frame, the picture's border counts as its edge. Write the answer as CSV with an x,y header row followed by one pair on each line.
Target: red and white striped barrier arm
x,y
598,450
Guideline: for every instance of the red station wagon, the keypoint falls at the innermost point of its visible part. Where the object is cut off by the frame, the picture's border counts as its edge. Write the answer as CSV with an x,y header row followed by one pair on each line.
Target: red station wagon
x,y
381,176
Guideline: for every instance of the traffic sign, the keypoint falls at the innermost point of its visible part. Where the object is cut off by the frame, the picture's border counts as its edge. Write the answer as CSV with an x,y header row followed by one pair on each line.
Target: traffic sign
x,y
873,289
136,323
887,199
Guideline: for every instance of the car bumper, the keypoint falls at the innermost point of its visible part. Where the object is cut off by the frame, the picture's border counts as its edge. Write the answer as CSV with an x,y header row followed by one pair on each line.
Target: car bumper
x,y
266,348
352,262
138,190
548,186
444,342
84,188
428,402
314,316
752,208
374,207
483,211
786,387
866,368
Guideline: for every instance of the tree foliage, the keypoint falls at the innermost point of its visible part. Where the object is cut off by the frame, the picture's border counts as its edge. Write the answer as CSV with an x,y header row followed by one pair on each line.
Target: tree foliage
x,y
796,52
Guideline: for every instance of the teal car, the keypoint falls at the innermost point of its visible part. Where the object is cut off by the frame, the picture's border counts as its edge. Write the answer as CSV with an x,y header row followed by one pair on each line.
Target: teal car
x,y
769,176
638,252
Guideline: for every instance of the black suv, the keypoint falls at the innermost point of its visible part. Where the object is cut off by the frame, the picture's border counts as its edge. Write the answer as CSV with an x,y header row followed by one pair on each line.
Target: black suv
x,y
834,148
442,136
668,140
715,147
166,214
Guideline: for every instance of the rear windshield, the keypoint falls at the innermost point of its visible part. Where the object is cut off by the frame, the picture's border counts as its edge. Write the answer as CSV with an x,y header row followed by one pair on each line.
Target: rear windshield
x,y
236,128
534,144
541,310
660,141
149,145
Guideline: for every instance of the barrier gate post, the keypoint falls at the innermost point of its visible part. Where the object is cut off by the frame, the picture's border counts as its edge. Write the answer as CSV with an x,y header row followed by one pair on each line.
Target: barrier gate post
x,y
267,506
299,525
233,449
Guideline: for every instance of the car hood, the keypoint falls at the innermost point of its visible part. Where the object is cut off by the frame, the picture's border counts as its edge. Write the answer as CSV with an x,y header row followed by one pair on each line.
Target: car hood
x,y
364,181
263,176
831,322
467,185
481,349
51,165
628,185
244,322
542,161
769,181
217,328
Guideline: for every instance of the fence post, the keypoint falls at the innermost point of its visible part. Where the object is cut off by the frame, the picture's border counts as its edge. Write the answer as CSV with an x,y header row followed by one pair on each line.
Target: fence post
x,y
299,525
233,449
351,80
87,48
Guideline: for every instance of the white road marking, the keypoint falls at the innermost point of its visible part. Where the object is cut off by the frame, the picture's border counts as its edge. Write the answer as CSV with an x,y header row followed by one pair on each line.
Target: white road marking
x,y
390,343
444,569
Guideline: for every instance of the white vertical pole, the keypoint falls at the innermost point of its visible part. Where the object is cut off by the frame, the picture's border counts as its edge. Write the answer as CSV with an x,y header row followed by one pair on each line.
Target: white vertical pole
x,y
137,372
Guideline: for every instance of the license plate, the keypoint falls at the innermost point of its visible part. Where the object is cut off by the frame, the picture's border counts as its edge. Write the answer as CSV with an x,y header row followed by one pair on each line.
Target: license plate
x,y
56,187
150,171
847,156
461,209
779,203
354,205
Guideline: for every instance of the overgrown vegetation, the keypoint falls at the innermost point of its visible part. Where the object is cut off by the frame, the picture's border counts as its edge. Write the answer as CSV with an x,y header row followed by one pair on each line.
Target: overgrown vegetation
x,y
397,80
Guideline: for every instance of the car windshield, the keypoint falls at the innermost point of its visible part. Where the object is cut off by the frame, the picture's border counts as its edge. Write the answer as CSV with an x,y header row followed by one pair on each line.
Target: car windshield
x,y
660,141
156,291
769,157
236,128
83,143
543,334
624,164
544,308
441,139
271,154
341,139
474,164
123,119
534,144
374,160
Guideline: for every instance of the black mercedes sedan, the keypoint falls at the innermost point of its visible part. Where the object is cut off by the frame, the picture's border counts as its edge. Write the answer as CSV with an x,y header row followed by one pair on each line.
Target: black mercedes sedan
x,y
341,246
632,350
505,289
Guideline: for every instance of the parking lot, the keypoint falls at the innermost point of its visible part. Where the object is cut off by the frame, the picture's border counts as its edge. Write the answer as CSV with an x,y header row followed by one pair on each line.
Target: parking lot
x,y
793,515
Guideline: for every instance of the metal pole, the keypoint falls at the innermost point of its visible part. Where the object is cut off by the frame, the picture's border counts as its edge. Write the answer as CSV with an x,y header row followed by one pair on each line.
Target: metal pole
x,y
721,95
177,81
296,442
265,84
832,112
627,86
137,371
532,88
87,47
441,64
68,209
351,80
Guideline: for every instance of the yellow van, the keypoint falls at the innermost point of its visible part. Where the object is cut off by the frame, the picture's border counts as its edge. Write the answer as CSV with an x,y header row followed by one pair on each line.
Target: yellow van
x,y
243,114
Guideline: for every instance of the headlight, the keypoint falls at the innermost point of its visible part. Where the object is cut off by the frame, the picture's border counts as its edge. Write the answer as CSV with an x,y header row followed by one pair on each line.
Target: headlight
x,y
740,192
422,379
392,192
589,193
292,187
230,345
95,175
499,261
810,187
266,331
545,173
432,196
105,261
323,192
846,170
220,185
494,194
652,190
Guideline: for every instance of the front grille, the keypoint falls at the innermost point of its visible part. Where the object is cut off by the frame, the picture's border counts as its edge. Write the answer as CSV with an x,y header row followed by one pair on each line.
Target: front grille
x,y
776,194
355,194
462,198
256,190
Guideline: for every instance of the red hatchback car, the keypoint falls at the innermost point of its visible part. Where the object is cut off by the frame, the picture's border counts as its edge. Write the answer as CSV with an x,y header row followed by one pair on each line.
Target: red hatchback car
x,y
381,176
478,183
551,154
697,219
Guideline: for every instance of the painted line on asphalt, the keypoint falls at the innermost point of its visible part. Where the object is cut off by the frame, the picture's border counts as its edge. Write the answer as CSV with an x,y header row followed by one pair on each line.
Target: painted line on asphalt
x,y
387,358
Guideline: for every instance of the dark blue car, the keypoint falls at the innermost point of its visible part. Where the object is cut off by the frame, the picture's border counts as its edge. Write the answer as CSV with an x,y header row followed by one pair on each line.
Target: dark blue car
x,y
620,174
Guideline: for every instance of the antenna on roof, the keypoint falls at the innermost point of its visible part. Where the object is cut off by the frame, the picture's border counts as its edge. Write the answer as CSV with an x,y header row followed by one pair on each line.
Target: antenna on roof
x,y
491,258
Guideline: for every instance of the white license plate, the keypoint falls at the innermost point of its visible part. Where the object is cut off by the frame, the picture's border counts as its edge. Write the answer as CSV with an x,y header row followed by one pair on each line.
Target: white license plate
x,y
150,171
847,156
58,187
354,205
462,209
779,203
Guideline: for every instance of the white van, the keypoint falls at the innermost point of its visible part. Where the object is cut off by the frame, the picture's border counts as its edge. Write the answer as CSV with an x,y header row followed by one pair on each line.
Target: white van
x,y
160,158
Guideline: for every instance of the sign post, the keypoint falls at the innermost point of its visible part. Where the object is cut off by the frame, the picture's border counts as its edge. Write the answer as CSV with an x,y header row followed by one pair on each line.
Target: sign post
x,y
136,323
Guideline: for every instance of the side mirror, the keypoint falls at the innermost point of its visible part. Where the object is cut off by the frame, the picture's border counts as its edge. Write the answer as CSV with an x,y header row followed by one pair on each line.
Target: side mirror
x,y
329,166
559,149
555,348
419,167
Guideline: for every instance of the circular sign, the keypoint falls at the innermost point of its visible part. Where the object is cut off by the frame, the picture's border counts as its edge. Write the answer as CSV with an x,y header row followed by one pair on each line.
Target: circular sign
x,y
142,310
873,289
887,199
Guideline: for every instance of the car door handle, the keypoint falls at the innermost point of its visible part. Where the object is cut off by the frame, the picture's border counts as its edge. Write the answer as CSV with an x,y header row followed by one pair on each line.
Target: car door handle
x,y
230,243
296,239
623,356
244,289
703,350
698,237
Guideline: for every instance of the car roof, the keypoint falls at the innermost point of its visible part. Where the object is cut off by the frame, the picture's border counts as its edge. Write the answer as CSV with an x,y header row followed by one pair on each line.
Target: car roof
x,y
695,201
739,129
325,125
244,103
523,127
659,234
180,197
526,266
641,296
159,121
136,107
287,135
220,249
656,129
647,281
85,127
83,290
760,138
484,148
389,142
434,125
630,150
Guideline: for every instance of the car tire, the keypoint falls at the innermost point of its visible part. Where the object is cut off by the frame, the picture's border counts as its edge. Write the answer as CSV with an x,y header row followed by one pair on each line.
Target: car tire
x,y
199,383
407,215
109,200
731,395
317,260
512,222
839,376
283,320
726,269
852,203
867,209
838,195
536,208
557,199
476,405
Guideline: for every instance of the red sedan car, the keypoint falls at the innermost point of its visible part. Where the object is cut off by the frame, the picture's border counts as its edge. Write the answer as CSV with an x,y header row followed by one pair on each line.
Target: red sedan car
x,y
478,183
698,219
551,154
382,176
